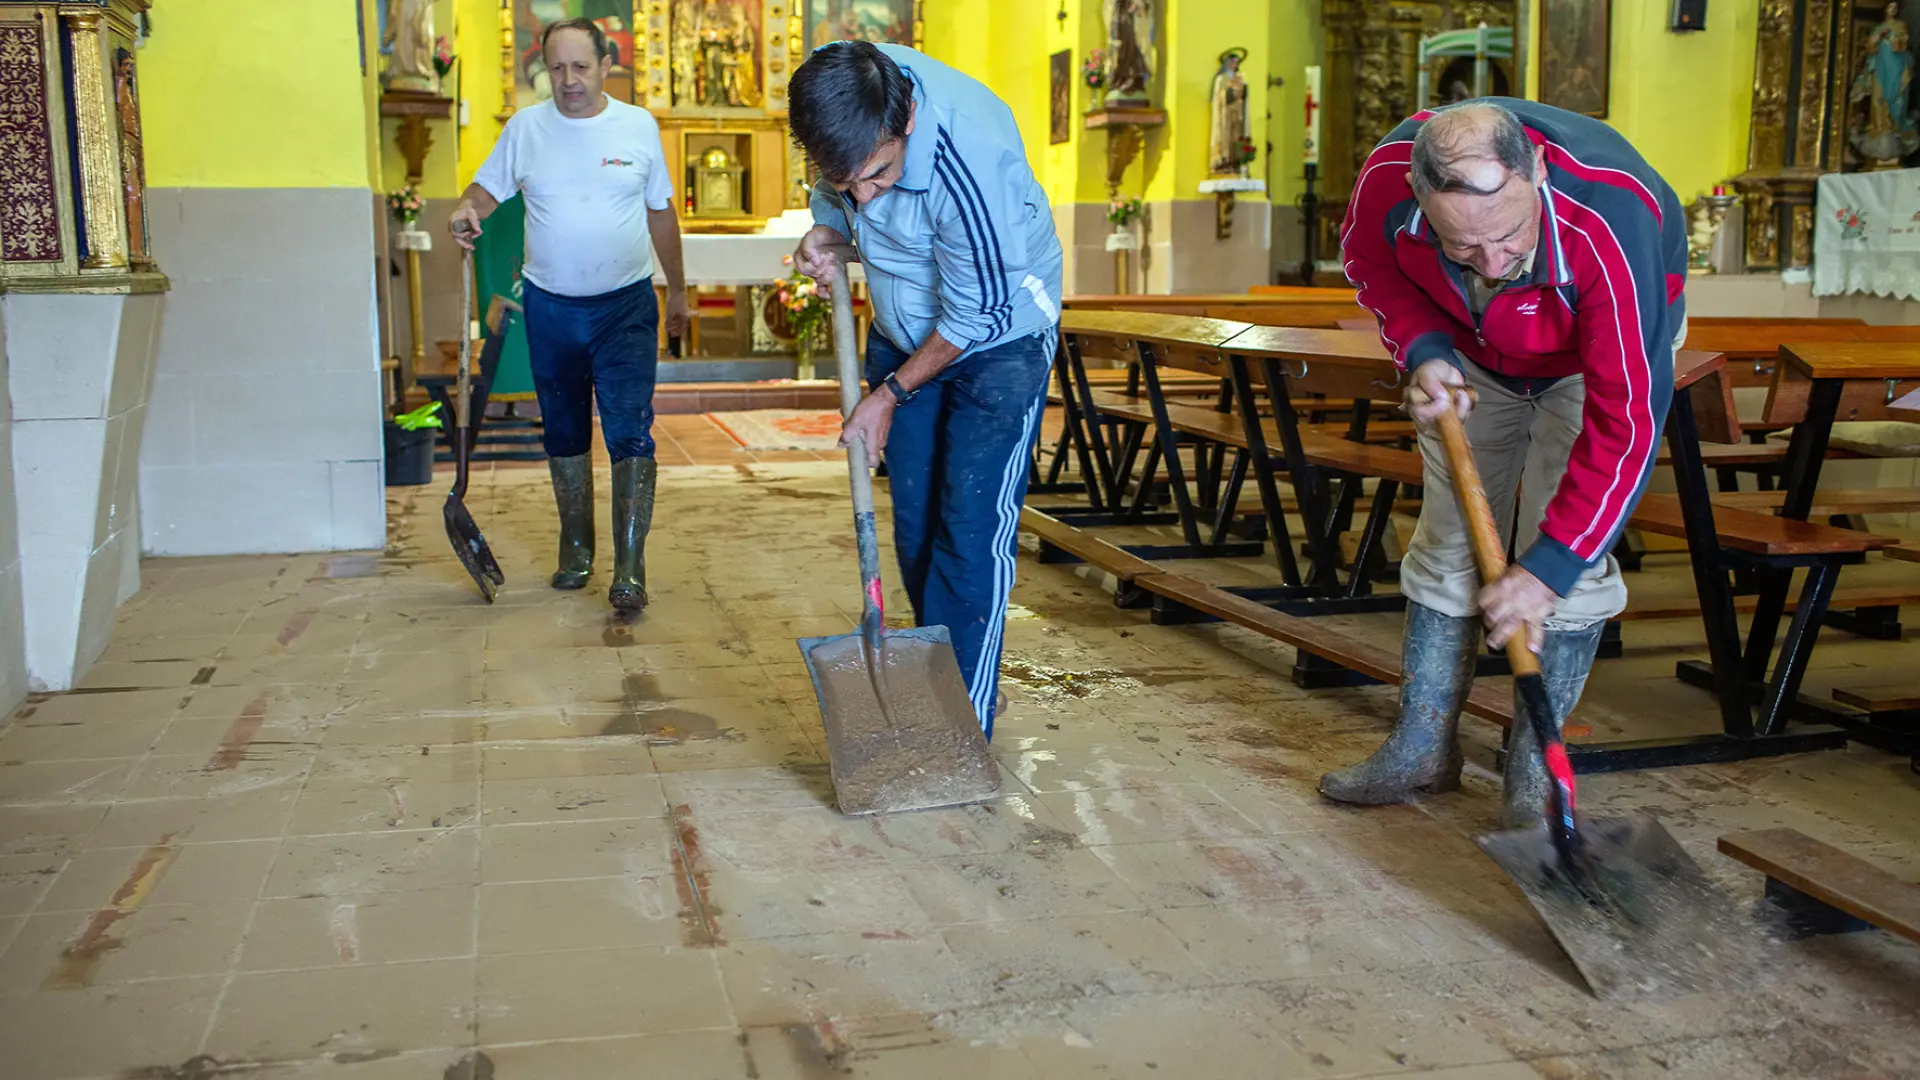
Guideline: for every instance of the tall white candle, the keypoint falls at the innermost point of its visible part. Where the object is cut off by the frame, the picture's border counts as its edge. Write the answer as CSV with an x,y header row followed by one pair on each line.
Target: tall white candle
x,y
1313,115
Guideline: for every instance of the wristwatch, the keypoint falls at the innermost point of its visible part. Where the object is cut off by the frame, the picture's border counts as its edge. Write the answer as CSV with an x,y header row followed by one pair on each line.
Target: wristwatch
x,y
901,395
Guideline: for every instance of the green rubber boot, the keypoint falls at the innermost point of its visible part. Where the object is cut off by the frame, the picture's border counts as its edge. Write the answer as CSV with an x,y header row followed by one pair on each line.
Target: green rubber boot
x,y
573,493
633,483
1423,753
1565,659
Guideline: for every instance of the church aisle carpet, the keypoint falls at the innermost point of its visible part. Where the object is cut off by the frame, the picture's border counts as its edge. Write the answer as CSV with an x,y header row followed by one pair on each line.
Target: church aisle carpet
x,y
332,817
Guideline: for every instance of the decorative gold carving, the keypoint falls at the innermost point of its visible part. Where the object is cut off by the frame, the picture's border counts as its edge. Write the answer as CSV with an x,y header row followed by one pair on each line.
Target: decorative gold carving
x,y
99,161
1773,60
1801,253
1126,132
1811,117
414,109
509,95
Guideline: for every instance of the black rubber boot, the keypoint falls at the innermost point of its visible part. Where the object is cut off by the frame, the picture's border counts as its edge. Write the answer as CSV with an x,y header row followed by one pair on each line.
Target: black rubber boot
x,y
573,494
1423,753
633,482
1565,659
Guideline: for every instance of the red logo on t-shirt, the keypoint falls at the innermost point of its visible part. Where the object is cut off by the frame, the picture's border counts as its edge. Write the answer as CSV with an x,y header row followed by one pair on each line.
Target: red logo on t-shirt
x,y
606,161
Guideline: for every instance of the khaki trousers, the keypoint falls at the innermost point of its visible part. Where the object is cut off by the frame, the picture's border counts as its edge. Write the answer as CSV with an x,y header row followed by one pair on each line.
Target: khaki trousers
x,y
1521,445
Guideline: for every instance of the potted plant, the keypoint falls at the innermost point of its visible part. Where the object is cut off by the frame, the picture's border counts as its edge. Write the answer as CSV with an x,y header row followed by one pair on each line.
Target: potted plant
x,y
807,313
410,442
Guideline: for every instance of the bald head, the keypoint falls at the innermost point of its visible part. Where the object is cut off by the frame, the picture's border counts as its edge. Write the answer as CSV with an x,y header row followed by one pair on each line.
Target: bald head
x,y
1472,148
1476,176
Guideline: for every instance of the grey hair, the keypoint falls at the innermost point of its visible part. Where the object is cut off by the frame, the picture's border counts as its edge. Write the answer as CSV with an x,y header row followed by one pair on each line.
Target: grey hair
x,y
1445,141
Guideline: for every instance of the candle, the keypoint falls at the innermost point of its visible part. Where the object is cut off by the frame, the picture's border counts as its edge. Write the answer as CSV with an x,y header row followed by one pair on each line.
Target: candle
x,y
1313,116
1719,189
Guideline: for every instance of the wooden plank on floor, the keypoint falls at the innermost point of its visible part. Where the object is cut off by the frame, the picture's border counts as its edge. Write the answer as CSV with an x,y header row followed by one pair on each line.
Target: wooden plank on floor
x,y
1831,876
1085,545
1875,699
1843,600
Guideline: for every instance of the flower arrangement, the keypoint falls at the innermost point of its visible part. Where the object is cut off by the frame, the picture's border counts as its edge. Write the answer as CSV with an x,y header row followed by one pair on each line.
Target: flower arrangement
x,y
1121,212
406,204
1247,151
807,311
442,56
1093,71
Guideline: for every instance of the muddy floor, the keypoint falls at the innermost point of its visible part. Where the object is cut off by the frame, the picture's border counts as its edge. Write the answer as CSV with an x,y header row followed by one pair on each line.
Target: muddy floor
x,y
332,817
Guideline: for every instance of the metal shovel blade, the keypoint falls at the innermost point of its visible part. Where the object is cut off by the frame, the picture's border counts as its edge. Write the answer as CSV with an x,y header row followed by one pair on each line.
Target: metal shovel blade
x,y
1643,921
924,748
464,534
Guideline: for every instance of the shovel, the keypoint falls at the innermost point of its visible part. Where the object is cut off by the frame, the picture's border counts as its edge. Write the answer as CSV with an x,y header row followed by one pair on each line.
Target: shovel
x,y
902,734
1630,907
462,532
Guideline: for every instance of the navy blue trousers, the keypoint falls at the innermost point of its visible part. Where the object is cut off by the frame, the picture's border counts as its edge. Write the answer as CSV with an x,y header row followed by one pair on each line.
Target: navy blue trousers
x,y
582,347
957,458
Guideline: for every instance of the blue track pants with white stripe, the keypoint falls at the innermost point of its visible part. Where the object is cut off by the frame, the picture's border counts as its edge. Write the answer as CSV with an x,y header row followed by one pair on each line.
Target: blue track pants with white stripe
x,y
957,460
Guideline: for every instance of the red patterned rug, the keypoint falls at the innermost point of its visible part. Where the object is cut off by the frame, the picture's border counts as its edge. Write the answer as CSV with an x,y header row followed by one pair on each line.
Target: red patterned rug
x,y
781,429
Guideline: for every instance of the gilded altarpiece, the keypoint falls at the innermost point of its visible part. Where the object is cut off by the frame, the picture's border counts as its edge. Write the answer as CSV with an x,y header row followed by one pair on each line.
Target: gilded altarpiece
x,y
1372,76
72,168
714,72
1805,59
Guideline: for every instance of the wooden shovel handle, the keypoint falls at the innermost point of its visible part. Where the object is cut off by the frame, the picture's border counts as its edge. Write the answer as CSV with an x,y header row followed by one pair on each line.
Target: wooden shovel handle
x,y
1487,549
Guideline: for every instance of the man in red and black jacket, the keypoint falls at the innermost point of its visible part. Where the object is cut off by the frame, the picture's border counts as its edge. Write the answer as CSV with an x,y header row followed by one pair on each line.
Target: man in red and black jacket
x,y
1533,257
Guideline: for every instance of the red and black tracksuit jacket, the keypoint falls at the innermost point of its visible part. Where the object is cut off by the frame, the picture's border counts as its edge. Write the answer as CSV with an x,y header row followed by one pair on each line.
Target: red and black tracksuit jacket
x,y
1604,301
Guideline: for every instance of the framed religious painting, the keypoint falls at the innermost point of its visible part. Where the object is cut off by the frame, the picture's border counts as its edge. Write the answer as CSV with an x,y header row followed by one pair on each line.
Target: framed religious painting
x,y
717,54
1060,98
530,18
1575,54
895,21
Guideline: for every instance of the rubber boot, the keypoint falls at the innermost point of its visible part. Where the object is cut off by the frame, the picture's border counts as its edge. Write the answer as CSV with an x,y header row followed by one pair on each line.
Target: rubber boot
x,y
1565,658
633,482
573,493
1423,753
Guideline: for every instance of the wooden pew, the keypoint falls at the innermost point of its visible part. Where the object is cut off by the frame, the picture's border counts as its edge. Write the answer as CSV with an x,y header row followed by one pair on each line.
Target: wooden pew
x,y
1818,889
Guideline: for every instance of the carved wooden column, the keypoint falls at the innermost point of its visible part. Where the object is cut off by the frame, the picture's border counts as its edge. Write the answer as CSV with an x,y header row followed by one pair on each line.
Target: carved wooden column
x,y
96,148
1803,61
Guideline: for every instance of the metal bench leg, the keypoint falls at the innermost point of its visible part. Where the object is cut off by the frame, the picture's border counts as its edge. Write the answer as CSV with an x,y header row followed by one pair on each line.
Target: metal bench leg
x,y
1798,647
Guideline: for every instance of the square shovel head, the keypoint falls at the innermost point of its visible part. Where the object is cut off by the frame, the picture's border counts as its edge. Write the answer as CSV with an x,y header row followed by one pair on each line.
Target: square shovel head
x,y
923,748
1645,923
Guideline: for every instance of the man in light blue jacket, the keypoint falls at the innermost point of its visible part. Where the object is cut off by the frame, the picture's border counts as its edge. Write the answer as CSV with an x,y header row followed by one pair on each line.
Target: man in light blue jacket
x,y
924,172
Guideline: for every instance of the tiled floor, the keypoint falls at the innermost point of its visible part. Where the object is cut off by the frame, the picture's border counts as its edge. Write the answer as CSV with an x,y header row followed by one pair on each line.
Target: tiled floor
x,y
332,817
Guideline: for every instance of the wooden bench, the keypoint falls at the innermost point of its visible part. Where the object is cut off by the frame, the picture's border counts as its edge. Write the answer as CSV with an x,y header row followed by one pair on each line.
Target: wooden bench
x,y
1312,638
1845,503
1889,715
1817,888
1894,596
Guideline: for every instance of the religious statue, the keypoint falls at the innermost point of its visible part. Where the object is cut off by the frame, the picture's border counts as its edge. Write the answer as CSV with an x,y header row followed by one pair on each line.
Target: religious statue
x,y
1886,132
1129,50
715,55
133,164
1230,136
410,35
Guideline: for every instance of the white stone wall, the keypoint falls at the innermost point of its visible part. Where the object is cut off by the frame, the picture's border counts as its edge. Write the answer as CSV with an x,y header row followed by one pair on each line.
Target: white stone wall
x,y
13,644
267,408
78,371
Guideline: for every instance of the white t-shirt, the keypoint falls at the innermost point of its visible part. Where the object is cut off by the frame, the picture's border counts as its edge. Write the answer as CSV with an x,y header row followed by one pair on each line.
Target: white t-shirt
x,y
588,185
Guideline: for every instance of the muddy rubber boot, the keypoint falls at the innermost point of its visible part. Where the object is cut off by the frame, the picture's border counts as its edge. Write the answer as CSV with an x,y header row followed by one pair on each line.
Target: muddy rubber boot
x,y
1423,753
573,494
1565,659
633,481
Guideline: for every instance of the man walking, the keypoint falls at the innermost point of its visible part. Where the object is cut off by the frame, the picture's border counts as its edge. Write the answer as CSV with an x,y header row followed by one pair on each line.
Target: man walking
x,y
1533,257
924,172
600,215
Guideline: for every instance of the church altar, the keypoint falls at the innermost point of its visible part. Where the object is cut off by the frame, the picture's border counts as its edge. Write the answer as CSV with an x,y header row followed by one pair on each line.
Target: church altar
x,y
1866,234
741,259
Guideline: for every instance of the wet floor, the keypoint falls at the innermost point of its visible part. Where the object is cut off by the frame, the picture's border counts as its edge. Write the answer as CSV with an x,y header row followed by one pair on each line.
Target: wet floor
x,y
331,816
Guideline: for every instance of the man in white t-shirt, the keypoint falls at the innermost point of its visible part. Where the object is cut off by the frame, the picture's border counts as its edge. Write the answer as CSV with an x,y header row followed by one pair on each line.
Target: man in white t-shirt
x,y
600,214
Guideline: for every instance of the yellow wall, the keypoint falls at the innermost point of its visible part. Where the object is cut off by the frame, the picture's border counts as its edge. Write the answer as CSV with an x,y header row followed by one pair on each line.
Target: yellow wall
x,y
1683,100
237,93
478,71
1293,42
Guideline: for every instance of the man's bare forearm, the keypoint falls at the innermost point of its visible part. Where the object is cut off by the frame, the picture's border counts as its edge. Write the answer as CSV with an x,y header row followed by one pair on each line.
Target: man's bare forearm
x,y
664,226
481,200
927,362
